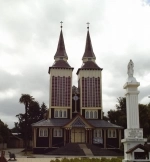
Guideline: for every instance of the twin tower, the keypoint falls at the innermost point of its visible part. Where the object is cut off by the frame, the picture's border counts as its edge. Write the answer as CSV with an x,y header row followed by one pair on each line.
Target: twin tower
x,y
65,100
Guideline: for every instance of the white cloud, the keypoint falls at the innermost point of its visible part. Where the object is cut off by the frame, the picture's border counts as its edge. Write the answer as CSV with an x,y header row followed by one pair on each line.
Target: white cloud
x,y
29,32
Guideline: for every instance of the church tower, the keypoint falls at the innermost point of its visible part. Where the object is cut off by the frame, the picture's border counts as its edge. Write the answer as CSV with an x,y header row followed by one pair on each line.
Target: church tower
x,y
60,90
89,84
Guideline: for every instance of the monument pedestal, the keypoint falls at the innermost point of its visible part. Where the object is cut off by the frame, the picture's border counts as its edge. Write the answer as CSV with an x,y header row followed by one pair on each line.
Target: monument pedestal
x,y
133,137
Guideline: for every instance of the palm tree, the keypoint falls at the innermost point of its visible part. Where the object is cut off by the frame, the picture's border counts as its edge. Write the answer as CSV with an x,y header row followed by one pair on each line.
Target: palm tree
x,y
26,99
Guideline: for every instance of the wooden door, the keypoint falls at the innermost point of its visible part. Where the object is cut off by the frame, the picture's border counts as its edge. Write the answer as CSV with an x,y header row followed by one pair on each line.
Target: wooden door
x,y
78,135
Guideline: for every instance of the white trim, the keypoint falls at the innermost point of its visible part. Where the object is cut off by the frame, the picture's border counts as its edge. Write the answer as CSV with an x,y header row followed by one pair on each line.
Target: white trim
x,y
63,113
43,132
91,114
111,133
57,132
98,133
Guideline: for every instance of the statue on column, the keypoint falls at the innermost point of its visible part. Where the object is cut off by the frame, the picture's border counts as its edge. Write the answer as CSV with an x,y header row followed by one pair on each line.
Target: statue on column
x,y
130,72
130,68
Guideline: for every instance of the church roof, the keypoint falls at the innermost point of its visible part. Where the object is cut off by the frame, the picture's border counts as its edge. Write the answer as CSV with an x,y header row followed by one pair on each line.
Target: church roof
x,y
88,48
89,65
103,124
61,51
51,122
65,122
60,64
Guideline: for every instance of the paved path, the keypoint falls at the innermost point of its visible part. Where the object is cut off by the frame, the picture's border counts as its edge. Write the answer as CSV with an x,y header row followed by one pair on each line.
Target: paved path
x,y
87,151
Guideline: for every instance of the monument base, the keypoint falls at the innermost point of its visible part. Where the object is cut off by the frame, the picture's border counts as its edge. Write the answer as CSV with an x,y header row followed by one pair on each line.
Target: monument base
x,y
134,146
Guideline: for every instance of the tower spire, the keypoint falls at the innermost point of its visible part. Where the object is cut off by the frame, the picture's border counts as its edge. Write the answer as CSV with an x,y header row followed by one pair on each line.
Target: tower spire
x,y
88,54
61,51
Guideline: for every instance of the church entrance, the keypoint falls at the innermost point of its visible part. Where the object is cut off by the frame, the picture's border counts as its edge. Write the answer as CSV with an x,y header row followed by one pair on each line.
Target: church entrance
x,y
78,135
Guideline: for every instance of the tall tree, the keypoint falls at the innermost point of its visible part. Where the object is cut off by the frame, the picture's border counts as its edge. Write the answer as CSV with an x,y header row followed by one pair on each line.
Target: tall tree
x,y
26,99
35,113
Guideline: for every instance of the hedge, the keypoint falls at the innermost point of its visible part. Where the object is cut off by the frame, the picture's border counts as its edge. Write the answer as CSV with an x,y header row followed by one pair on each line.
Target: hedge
x,y
88,160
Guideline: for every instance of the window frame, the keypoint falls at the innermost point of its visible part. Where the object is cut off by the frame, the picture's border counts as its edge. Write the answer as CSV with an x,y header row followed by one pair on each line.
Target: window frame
x,y
43,132
110,133
90,114
57,132
60,113
98,133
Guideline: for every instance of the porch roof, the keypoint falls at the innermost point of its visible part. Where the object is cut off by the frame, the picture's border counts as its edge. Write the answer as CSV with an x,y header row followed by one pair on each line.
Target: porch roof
x,y
62,122
103,124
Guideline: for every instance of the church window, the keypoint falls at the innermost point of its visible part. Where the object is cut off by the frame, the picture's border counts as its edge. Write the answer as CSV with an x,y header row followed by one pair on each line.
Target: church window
x,y
57,132
97,133
111,133
60,113
91,114
56,113
43,132
65,115
95,114
87,114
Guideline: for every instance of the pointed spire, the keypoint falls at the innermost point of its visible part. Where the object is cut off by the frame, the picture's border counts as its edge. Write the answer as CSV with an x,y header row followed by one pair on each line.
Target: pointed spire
x,y
61,51
88,47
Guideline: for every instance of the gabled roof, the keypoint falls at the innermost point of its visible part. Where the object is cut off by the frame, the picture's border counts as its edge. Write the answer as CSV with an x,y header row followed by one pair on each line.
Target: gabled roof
x,y
88,48
78,121
89,65
61,51
136,147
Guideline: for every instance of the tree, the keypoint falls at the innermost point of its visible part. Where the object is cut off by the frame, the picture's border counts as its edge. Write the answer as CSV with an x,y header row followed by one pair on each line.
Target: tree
x,y
26,99
4,133
35,113
119,117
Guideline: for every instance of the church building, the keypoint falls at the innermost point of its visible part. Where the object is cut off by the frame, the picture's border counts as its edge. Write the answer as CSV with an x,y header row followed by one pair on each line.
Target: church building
x,y
75,113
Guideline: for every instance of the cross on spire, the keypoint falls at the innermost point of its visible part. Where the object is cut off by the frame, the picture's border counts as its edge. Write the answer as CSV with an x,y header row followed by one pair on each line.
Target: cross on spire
x,y
87,25
61,24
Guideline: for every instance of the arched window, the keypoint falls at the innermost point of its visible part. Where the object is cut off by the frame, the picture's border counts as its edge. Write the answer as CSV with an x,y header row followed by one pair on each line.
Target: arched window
x,y
87,115
91,114
56,113
65,114
95,114
60,113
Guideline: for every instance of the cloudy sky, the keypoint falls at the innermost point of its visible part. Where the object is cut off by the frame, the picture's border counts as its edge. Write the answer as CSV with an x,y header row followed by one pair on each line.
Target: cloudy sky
x,y
29,32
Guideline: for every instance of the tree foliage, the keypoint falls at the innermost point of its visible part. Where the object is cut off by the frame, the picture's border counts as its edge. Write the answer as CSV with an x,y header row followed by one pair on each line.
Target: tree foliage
x,y
119,117
4,133
33,113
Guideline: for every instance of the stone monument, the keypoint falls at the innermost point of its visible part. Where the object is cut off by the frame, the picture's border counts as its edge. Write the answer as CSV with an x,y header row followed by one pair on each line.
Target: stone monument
x,y
133,136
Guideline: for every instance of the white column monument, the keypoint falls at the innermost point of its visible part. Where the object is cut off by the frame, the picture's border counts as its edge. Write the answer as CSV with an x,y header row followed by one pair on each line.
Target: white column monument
x,y
133,135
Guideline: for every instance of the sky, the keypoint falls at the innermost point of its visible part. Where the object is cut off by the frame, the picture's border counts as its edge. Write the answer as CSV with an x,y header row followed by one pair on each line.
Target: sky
x,y
29,33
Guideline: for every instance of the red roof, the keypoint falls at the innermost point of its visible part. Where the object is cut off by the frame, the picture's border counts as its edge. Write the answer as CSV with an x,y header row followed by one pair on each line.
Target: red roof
x,y
61,51
88,48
